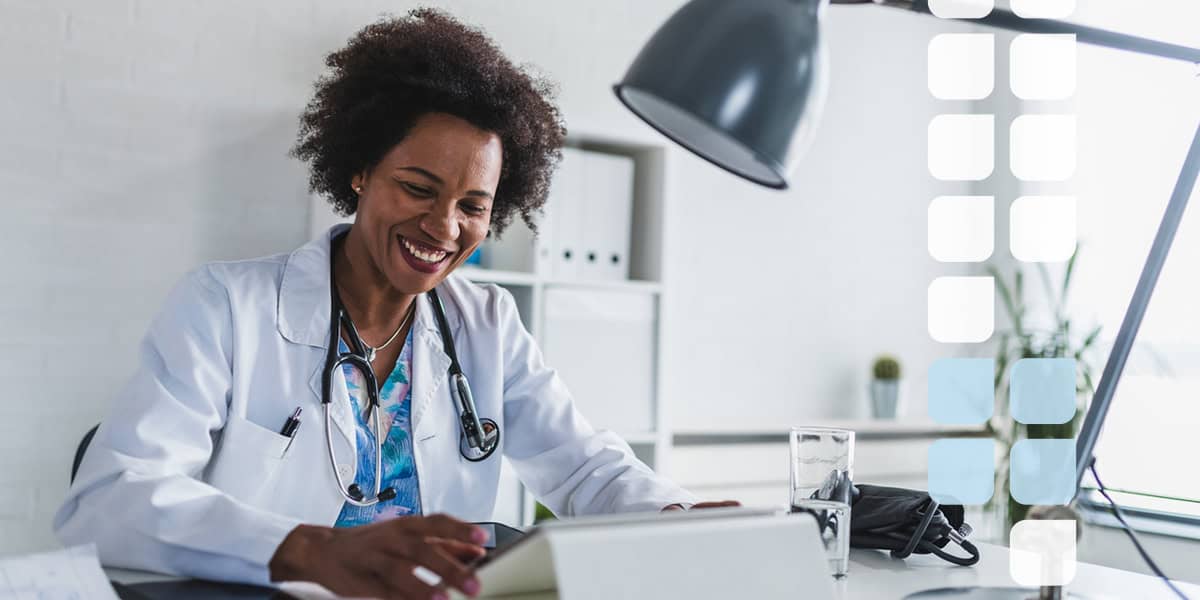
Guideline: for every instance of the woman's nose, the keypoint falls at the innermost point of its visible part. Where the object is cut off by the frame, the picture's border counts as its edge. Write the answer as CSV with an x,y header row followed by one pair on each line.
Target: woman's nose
x,y
441,223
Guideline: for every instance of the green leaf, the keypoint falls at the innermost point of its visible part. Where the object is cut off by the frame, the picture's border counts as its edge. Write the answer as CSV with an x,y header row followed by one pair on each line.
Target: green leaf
x,y
1006,298
1044,275
1066,284
1001,361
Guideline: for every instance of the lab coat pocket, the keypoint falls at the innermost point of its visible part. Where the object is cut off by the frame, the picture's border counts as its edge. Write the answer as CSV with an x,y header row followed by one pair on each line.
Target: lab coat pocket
x,y
247,461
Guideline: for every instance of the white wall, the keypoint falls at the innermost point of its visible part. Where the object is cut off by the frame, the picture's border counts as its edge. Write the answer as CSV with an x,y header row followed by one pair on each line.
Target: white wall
x,y
142,137
782,300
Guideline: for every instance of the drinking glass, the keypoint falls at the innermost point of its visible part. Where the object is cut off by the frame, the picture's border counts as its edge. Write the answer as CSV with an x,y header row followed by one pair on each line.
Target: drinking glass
x,y
822,461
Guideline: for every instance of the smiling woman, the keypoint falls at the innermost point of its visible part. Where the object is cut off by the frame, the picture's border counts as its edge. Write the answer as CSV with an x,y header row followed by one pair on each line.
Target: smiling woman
x,y
432,139
394,72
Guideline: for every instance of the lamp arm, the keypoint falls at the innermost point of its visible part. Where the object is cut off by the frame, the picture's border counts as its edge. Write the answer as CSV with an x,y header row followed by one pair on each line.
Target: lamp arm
x,y
1006,19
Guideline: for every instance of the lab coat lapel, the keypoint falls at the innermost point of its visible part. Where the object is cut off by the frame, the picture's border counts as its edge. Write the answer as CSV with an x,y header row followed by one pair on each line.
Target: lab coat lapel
x,y
340,411
430,370
302,317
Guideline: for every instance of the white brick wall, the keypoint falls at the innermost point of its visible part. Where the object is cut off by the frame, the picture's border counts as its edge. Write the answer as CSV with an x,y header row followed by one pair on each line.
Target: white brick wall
x,y
139,138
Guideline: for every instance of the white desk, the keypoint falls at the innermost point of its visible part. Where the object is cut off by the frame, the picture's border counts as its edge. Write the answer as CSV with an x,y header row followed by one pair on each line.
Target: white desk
x,y
875,576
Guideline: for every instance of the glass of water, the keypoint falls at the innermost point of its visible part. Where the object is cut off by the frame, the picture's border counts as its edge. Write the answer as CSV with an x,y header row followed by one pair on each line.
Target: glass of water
x,y
822,469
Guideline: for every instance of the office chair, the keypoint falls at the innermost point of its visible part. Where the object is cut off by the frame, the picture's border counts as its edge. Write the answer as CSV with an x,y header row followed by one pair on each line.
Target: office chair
x,y
83,444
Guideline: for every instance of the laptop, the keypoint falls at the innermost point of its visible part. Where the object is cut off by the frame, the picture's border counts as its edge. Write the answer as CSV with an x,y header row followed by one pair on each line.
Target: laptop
x,y
720,552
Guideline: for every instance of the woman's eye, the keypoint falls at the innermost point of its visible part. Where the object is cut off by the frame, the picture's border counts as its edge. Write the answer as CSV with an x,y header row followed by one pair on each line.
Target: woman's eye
x,y
474,209
418,190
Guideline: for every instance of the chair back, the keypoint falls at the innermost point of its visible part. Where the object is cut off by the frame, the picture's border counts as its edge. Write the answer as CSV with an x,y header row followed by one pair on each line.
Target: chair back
x,y
83,444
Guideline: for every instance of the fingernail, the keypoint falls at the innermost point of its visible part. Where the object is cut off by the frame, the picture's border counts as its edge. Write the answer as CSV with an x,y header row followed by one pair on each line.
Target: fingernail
x,y
471,587
479,536
440,596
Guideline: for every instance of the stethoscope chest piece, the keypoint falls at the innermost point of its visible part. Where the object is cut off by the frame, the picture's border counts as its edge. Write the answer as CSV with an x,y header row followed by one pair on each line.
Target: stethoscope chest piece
x,y
488,445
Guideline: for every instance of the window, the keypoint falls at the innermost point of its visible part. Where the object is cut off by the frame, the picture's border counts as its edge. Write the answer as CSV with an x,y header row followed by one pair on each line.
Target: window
x,y
1136,118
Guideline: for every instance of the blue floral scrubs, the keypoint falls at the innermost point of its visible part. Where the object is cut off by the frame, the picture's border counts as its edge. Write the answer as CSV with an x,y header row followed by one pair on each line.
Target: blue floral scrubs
x,y
399,469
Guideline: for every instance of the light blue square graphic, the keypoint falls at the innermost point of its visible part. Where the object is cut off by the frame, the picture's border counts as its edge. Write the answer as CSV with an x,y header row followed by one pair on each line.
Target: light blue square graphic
x,y
1043,471
1042,390
962,471
961,390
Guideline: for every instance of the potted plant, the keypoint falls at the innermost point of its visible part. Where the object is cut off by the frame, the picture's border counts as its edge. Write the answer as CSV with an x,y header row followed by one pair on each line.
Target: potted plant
x,y
1060,339
885,388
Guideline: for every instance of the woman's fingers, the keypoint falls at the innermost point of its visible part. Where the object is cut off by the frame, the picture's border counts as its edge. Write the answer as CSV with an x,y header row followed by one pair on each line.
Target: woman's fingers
x,y
442,526
461,550
721,504
424,553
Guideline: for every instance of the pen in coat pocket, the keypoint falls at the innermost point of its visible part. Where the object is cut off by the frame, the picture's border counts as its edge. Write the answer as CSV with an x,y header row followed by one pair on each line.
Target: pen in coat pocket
x,y
289,428
292,424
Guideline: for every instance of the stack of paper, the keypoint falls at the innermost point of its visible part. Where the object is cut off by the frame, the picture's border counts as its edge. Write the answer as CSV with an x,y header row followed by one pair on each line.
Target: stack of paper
x,y
71,574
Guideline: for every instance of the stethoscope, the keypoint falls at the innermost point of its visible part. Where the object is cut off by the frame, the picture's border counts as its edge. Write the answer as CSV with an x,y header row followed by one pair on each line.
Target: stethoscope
x,y
479,438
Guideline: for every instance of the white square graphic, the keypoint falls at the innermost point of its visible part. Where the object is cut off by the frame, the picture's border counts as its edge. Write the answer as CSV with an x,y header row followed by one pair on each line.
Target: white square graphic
x,y
1043,147
1042,552
1042,228
961,228
962,309
1043,66
961,9
962,66
962,147
1043,9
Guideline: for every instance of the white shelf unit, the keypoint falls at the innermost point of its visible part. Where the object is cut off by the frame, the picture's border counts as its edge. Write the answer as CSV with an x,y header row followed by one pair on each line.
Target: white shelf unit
x,y
518,263
751,464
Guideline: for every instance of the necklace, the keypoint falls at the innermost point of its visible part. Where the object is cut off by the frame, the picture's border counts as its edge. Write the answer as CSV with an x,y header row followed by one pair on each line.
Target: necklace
x,y
372,350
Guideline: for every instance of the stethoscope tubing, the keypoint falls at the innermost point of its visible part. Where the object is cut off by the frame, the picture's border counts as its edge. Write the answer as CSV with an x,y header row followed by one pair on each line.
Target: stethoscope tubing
x,y
476,444
356,361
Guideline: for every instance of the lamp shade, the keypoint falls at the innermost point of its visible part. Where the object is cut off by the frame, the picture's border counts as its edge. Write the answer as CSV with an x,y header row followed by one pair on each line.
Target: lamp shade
x,y
739,83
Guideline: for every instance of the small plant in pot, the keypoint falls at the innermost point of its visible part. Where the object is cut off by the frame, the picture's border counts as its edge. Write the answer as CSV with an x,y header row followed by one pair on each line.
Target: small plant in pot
x,y
885,388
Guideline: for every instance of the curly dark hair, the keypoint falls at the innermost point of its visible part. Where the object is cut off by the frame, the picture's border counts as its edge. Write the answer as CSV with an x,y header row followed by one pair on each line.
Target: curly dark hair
x,y
398,69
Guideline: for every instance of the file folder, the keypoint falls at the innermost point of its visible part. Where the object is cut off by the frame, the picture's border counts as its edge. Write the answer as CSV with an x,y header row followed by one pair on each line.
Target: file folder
x,y
608,209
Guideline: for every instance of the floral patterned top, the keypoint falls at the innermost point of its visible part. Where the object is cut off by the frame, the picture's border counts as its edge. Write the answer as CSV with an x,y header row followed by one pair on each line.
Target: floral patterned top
x,y
399,469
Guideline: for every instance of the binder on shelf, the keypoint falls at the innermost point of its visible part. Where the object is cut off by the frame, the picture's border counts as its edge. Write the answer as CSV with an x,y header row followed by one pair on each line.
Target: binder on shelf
x,y
602,343
565,219
608,211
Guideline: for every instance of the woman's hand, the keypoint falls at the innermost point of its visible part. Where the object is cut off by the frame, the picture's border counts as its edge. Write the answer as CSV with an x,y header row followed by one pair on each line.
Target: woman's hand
x,y
720,504
378,560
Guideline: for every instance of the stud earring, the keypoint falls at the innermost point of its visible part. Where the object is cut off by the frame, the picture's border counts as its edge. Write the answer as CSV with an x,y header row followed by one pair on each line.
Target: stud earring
x,y
358,189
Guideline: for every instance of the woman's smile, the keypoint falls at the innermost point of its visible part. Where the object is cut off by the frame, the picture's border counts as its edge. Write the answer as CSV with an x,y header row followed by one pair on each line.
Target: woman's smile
x,y
422,257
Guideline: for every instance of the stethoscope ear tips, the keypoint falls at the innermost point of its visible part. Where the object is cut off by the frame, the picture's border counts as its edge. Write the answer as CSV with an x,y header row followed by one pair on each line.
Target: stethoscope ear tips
x,y
355,492
387,494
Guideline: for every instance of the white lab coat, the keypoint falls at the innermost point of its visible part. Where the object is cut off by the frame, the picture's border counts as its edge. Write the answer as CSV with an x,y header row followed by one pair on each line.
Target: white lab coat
x,y
189,475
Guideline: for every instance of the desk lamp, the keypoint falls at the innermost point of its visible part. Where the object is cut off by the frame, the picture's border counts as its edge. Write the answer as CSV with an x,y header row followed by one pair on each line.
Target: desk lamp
x,y
741,84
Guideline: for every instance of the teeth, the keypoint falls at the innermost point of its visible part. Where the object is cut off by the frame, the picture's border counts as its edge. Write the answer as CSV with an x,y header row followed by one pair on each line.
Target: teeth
x,y
429,257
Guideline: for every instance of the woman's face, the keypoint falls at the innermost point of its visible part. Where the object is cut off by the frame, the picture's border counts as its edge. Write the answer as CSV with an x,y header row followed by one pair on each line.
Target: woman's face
x,y
427,205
